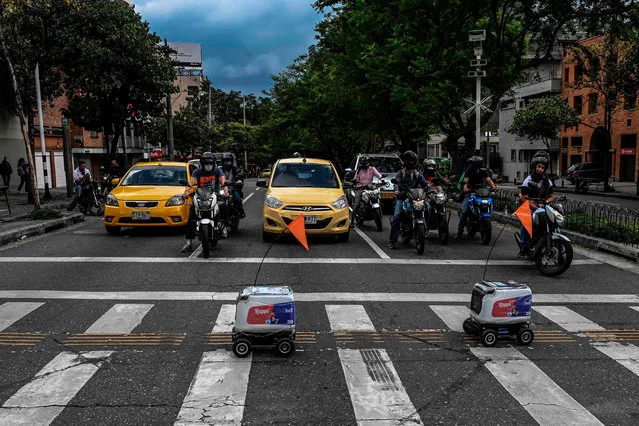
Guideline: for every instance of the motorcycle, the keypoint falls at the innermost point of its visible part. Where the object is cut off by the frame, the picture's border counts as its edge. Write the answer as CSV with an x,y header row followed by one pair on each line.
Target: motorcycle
x,y
91,200
550,250
479,220
412,220
209,227
234,208
370,207
439,217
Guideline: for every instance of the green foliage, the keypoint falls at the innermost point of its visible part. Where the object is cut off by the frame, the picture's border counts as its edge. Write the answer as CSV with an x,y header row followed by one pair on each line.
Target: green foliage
x,y
542,118
45,213
600,227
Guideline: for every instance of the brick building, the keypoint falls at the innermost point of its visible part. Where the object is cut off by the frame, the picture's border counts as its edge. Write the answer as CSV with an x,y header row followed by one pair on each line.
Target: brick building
x,y
590,142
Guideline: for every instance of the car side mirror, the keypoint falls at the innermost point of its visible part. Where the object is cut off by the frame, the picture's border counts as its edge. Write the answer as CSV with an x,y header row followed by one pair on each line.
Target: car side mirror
x,y
394,181
349,175
261,183
384,175
347,184
181,182
115,181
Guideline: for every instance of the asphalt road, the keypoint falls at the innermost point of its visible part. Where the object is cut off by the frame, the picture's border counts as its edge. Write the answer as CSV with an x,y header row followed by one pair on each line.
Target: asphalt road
x,y
128,330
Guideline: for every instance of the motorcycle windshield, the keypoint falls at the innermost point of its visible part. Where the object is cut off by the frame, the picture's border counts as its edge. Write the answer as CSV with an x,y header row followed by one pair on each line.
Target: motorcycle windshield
x,y
483,192
438,189
417,193
204,193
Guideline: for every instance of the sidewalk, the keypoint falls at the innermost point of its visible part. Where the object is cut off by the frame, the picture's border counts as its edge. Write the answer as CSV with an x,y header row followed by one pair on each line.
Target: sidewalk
x,y
623,190
18,225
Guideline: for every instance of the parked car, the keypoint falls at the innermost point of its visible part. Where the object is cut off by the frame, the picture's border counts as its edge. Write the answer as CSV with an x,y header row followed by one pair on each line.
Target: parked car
x,y
583,174
306,186
387,164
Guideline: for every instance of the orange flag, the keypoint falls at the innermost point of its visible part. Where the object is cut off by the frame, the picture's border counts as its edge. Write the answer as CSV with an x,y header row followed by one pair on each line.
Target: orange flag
x,y
523,214
297,229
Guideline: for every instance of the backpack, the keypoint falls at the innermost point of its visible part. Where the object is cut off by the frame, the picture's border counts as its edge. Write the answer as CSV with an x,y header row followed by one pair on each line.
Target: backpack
x,y
20,172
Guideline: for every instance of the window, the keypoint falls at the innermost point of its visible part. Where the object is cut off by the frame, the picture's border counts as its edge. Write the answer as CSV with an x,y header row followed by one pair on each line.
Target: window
x,y
630,102
578,73
576,141
94,134
307,175
521,156
577,103
566,75
192,90
513,155
593,100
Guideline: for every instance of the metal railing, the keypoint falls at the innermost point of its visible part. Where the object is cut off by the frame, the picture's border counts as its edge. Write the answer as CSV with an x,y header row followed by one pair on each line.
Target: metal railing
x,y
604,221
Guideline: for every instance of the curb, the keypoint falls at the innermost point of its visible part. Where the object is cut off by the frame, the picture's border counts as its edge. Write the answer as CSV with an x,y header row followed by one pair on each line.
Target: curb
x,y
586,241
40,228
27,216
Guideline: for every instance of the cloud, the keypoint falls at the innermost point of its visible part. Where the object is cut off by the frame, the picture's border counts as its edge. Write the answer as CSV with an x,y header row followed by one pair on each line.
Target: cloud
x,y
243,41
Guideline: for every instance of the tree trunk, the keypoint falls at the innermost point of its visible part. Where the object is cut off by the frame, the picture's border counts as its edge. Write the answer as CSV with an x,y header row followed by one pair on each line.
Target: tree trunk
x,y
23,124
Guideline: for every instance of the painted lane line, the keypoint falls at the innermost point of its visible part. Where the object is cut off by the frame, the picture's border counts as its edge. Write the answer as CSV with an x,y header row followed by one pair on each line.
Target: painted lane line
x,y
349,318
196,253
225,319
636,308
453,316
626,355
247,197
567,318
217,394
371,243
11,312
42,399
376,391
548,298
537,393
120,319
285,260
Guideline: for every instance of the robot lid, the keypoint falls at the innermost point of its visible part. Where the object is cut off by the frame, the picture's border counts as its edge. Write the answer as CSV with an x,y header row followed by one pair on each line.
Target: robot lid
x,y
265,291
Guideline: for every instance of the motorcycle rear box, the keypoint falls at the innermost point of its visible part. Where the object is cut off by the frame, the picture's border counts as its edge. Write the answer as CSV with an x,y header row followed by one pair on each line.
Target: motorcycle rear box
x,y
500,303
265,309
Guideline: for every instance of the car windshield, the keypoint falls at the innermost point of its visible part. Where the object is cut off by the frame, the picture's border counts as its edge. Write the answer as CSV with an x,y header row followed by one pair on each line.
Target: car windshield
x,y
386,164
306,175
155,176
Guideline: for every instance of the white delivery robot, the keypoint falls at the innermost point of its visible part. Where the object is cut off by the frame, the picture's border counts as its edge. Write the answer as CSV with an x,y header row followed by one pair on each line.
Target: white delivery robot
x,y
264,316
498,308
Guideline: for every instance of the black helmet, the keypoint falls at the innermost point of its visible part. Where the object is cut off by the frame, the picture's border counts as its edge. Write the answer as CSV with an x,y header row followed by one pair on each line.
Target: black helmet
x,y
540,157
227,160
476,161
207,159
364,162
430,165
409,158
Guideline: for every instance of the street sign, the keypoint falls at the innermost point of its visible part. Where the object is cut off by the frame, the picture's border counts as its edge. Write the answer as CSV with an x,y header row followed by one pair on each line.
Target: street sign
x,y
476,35
474,74
576,149
627,151
478,62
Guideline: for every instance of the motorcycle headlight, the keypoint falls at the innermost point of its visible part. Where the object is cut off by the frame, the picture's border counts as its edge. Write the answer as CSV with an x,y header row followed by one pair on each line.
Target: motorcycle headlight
x,y
365,196
176,200
376,192
418,204
204,204
440,198
112,201
340,203
273,202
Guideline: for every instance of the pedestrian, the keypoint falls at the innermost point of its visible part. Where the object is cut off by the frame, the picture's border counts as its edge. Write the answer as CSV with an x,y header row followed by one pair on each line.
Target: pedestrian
x,y
6,171
23,172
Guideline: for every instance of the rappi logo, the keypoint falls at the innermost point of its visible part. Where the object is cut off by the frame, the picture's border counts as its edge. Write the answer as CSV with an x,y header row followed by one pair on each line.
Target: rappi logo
x,y
515,307
282,313
260,314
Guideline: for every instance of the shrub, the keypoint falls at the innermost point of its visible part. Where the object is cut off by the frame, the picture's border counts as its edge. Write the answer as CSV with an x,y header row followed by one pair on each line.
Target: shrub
x,y
45,213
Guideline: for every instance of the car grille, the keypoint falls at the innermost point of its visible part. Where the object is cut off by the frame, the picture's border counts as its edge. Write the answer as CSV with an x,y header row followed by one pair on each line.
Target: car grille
x,y
307,208
152,220
321,224
141,204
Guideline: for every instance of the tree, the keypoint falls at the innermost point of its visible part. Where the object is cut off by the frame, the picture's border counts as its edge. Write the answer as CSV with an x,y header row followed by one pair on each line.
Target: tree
x,y
541,120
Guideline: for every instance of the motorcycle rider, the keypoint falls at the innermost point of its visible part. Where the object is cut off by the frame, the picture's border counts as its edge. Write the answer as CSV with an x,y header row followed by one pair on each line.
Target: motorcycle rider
x,y
475,177
407,178
205,175
431,170
536,185
80,176
115,171
230,172
363,178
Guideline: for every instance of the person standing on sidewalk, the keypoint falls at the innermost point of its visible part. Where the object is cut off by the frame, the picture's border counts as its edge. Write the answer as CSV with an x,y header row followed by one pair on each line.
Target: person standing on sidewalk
x,y
80,176
5,171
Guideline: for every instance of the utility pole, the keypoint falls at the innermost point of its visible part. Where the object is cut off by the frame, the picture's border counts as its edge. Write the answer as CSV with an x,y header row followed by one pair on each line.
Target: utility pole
x,y
169,120
477,37
126,158
210,116
43,149
67,156
244,116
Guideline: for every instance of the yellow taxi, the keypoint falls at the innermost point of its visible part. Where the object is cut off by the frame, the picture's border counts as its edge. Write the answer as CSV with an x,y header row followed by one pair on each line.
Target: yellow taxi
x,y
149,194
309,187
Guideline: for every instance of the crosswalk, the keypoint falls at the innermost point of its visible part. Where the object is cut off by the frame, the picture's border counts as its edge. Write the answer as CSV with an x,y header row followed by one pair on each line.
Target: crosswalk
x,y
371,354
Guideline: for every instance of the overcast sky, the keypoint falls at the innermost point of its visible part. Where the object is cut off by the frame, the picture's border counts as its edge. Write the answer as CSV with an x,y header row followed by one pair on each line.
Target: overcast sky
x,y
243,41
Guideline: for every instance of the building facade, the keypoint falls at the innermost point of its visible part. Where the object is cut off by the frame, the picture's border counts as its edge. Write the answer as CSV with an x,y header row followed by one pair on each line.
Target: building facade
x,y
590,141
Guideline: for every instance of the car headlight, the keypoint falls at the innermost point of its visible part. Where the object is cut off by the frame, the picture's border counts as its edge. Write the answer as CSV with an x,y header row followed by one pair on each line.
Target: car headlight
x,y
340,203
176,200
112,201
273,202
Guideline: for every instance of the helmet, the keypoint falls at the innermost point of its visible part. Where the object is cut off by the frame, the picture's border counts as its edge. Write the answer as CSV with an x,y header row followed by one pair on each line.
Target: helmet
x,y
364,162
540,157
409,158
207,161
476,161
430,165
227,160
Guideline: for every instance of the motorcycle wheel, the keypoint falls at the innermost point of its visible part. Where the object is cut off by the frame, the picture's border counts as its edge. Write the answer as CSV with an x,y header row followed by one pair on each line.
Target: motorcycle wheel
x,y
420,238
443,230
486,228
378,219
235,223
555,261
97,209
205,238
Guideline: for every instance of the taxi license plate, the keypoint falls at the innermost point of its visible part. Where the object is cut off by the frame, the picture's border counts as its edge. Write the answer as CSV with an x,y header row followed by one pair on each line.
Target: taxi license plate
x,y
310,220
141,215
386,195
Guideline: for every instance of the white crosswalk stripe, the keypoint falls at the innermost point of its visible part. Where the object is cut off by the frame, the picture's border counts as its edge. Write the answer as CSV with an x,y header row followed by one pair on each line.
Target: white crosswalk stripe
x,y
636,308
121,318
225,319
11,312
453,316
349,318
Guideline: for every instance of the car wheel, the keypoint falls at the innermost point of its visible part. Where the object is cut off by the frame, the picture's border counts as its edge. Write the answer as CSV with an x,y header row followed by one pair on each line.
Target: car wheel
x,y
267,237
344,237
113,230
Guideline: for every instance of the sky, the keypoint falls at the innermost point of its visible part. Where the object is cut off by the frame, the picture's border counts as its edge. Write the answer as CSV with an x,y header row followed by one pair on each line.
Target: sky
x,y
243,42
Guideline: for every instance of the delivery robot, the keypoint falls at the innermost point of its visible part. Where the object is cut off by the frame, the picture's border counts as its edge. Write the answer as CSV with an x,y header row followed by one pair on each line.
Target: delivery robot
x,y
498,308
264,316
